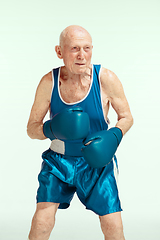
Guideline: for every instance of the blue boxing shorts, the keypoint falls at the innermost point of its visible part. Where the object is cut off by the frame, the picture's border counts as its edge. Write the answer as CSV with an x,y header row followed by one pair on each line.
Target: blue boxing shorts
x,y
62,176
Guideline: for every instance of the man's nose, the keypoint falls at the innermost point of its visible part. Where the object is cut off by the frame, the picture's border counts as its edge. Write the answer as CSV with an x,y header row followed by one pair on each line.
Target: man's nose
x,y
81,54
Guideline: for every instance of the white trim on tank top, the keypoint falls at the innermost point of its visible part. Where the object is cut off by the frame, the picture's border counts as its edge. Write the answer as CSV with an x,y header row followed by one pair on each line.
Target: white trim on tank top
x,y
100,85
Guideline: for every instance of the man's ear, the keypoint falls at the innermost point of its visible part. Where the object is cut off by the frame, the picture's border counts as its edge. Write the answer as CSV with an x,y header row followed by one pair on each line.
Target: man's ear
x,y
58,51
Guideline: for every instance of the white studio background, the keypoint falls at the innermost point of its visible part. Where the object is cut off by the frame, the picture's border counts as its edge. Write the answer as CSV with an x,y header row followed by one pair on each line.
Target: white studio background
x,y
126,37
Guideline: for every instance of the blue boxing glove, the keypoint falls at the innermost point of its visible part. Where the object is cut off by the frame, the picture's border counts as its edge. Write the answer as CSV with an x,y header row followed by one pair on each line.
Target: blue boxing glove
x,y
100,147
70,124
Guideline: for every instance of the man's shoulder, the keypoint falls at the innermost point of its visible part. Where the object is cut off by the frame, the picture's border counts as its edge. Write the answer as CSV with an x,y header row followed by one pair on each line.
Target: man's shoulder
x,y
110,82
107,75
45,82
47,78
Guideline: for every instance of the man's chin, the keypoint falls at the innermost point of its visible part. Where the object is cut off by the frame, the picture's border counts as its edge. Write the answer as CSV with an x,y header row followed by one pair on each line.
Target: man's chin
x,y
81,68
78,69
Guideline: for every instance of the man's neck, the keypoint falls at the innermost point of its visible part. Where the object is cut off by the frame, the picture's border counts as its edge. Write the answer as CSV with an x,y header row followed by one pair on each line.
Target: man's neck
x,y
79,78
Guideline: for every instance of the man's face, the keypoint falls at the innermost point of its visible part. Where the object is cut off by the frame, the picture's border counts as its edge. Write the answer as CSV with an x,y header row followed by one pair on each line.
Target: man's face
x,y
77,52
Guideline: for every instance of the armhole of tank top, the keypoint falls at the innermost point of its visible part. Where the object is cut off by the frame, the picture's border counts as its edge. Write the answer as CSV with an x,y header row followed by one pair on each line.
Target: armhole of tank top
x,y
52,83
106,120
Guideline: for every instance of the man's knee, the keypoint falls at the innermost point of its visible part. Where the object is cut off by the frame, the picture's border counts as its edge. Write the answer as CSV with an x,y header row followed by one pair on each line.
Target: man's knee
x,y
112,226
42,222
44,218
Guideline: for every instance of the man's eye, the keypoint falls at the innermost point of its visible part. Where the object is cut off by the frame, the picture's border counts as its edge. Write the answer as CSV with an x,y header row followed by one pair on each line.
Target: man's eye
x,y
87,48
74,48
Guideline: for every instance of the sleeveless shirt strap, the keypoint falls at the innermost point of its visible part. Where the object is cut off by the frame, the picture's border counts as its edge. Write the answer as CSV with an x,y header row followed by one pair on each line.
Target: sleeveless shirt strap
x,y
55,74
97,68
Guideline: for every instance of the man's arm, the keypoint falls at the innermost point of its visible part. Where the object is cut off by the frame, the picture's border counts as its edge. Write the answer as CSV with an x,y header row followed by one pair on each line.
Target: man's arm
x,y
114,92
40,108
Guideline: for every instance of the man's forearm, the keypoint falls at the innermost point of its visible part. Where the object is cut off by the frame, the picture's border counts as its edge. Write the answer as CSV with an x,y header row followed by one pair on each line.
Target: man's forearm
x,y
35,131
125,124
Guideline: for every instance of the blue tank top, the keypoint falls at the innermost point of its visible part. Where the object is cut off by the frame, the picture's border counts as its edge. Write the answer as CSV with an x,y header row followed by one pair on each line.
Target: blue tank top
x,y
91,103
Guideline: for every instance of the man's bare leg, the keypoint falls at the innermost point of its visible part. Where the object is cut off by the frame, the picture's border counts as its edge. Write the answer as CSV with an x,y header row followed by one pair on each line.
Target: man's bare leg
x,y
112,226
43,221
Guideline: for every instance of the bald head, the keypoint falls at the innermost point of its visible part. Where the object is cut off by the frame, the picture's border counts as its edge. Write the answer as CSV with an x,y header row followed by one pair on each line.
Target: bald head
x,y
72,31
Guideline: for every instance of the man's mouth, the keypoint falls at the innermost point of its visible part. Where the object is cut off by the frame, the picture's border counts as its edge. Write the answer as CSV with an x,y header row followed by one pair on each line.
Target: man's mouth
x,y
80,64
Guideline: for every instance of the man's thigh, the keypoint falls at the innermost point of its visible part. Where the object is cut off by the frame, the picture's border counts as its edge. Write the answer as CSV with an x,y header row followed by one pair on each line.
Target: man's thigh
x,y
46,209
111,222
47,205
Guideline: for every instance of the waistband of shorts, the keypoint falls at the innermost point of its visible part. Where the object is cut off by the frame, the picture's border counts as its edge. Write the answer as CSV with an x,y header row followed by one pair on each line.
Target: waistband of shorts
x,y
67,148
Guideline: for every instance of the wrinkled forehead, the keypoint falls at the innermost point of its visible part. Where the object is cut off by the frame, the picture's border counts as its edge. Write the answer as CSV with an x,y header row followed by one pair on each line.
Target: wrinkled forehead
x,y
72,35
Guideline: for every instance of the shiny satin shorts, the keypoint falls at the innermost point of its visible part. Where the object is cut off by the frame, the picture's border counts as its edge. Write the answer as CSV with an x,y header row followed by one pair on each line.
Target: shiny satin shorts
x,y
62,176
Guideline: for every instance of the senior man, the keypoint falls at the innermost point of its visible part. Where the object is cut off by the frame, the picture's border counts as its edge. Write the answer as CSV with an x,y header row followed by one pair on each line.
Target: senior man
x,y
81,157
